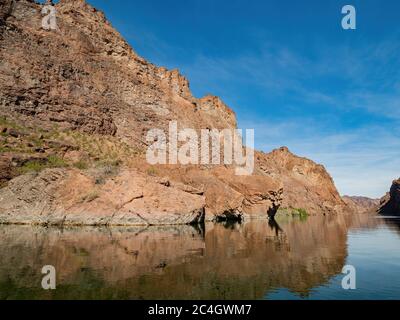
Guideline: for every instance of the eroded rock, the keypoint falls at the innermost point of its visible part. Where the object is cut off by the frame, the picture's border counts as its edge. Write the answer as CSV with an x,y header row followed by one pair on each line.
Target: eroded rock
x,y
70,197
85,77
306,185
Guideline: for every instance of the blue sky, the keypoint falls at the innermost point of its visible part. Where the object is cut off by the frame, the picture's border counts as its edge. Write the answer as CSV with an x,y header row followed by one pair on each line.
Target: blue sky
x,y
289,71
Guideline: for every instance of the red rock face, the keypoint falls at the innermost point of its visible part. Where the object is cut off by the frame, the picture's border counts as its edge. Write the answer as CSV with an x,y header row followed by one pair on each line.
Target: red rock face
x,y
390,204
5,10
69,197
306,185
84,77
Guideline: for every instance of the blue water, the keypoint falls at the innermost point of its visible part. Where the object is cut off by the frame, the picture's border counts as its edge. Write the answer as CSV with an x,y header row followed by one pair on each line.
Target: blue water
x,y
286,259
375,254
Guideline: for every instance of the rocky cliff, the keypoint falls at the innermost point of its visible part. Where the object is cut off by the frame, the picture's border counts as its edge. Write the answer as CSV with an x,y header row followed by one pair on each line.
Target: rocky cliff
x,y
76,104
84,76
390,203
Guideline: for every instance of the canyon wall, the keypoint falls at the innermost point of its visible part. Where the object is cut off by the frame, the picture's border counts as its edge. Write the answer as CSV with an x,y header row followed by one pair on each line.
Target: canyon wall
x,y
77,97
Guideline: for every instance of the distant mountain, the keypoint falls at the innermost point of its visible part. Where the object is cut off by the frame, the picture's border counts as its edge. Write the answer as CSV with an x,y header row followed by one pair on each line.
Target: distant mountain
x,y
362,204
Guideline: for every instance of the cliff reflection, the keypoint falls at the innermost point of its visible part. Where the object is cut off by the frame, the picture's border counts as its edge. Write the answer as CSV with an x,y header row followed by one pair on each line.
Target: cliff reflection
x,y
224,262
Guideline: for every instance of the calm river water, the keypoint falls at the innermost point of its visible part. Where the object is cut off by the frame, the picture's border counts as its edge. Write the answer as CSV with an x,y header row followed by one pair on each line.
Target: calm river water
x,y
287,259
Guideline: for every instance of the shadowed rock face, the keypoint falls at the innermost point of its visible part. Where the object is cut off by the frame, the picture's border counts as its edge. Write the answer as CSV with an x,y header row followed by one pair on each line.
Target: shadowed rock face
x,y
225,262
390,204
5,10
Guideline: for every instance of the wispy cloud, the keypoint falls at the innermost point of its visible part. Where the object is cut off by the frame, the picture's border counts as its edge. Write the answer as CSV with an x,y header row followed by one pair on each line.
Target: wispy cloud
x,y
366,78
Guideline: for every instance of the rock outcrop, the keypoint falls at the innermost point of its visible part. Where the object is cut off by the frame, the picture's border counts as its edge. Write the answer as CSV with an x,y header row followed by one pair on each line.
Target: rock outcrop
x,y
390,203
79,95
70,197
306,185
229,196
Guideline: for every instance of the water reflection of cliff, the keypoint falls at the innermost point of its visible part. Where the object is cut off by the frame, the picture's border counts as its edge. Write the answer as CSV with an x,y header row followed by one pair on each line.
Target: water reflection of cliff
x,y
226,262
393,223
